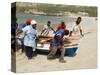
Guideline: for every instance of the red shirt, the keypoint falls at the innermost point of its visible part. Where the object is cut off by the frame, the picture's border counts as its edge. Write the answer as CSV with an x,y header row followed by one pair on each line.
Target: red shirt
x,y
61,27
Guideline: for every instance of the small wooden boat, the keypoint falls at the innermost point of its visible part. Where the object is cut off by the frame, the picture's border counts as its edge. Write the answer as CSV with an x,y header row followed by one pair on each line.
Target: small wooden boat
x,y
70,46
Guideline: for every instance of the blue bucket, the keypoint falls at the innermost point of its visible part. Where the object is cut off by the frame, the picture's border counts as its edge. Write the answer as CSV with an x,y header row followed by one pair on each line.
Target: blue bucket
x,y
70,51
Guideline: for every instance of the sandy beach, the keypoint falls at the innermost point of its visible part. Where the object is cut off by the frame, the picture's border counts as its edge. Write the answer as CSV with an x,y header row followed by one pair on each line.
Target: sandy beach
x,y
86,57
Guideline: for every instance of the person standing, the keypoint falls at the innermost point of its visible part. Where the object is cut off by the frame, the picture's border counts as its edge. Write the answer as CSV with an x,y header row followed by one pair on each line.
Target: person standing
x,y
30,35
76,29
20,37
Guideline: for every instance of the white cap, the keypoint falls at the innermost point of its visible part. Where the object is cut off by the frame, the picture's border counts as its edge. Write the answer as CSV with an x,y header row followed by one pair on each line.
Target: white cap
x,y
33,22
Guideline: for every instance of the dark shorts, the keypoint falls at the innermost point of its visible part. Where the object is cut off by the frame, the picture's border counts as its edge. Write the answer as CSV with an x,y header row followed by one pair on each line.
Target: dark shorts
x,y
29,51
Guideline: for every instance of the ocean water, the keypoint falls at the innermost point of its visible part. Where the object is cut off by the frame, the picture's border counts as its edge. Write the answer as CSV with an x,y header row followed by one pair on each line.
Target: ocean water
x,y
55,20
43,19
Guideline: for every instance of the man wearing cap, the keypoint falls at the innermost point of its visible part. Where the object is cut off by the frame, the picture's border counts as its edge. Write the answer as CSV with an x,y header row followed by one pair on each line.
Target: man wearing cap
x,y
29,38
20,37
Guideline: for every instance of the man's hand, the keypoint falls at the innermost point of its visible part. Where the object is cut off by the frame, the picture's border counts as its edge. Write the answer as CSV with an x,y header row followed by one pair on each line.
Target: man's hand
x,y
82,35
42,41
54,32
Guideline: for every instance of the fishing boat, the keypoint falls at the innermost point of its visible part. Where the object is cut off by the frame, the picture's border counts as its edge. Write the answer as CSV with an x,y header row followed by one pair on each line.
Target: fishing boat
x,y
71,46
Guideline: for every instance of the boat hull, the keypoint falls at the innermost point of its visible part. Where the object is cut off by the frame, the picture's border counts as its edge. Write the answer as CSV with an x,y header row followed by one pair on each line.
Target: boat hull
x,y
70,47
69,51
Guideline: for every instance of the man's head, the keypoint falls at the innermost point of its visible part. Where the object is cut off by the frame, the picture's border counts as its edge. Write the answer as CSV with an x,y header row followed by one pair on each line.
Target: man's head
x,y
34,24
48,23
66,32
78,20
63,25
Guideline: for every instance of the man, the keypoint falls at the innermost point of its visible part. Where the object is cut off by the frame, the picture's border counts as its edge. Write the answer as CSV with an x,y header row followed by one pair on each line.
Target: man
x,y
57,44
47,28
29,39
20,37
61,26
76,29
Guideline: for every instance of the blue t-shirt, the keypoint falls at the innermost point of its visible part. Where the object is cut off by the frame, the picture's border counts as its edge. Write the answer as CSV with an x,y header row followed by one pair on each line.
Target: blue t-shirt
x,y
58,38
21,26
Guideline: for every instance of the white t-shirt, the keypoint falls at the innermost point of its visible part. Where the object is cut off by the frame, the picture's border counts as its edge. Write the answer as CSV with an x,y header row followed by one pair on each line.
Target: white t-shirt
x,y
30,36
47,31
75,29
46,27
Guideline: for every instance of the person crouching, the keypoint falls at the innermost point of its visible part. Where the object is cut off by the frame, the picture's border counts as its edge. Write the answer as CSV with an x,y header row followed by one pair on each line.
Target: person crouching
x,y
57,44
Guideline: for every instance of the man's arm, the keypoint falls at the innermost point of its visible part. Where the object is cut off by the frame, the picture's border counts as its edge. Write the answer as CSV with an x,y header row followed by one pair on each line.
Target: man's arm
x,y
70,33
43,31
71,30
18,31
52,29
81,31
25,29
43,41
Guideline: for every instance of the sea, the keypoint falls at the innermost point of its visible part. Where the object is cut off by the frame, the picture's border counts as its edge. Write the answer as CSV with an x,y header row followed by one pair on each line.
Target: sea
x,y
55,20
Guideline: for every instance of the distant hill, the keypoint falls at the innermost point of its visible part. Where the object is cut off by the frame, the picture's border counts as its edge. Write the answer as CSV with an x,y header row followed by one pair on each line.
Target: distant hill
x,y
55,8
